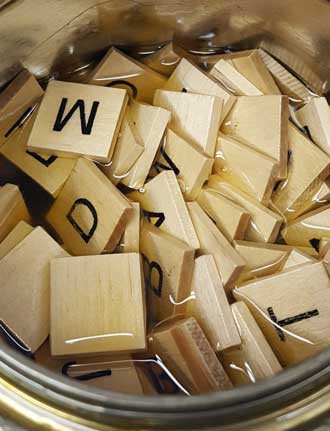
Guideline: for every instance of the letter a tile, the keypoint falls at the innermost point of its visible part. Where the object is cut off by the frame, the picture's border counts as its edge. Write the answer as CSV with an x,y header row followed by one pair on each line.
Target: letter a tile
x,y
90,214
78,120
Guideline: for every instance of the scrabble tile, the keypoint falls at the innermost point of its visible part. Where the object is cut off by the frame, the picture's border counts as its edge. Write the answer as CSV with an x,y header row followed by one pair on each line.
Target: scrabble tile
x,y
89,214
16,100
24,274
162,202
151,123
168,268
230,77
116,373
195,117
130,240
190,78
251,171
118,70
244,120
129,148
261,259
163,61
213,242
255,359
191,167
314,225
185,350
304,178
78,120
110,314
210,307
251,66
12,209
284,79
20,231
297,257
264,225
232,219
292,310
315,115
50,172
319,198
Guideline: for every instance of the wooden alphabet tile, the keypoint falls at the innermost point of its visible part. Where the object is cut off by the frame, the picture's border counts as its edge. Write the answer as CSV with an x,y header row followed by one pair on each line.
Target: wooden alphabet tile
x,y
104,307
264,225
20,231
231,219
12,209
168,267
163,61
292,309
191,167
118,70
130,241
25,287
90,214
78,120
18,98
190,78
255,359
244,120
163,203
297,257
304,178
195,117
249,170
210,307
229,263
189,356
151,123
50,172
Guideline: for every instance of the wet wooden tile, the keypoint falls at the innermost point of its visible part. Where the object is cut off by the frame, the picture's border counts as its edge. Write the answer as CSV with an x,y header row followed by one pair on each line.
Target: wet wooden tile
x,y
15,236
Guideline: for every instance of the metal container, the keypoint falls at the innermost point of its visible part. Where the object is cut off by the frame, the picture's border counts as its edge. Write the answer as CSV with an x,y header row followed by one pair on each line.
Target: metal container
x,y
63,38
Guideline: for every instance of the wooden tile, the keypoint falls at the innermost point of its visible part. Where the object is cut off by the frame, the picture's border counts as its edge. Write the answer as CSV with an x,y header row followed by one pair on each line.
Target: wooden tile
x,y
116,373
251,66
195,117
190,78
314,225
212,241
244,120
264,225
251,171
90,214
106,286
50,172
185,350
304,178
168,268
284,79
130,241
210,307
24,274
309,250
20,231
255,360
319,198
232,219
261,259
163,61
118,70
129,147
323,247
191,167
315,115
229,76
12,209
151,123
296,300
16,101
297,257
162,202
78,120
